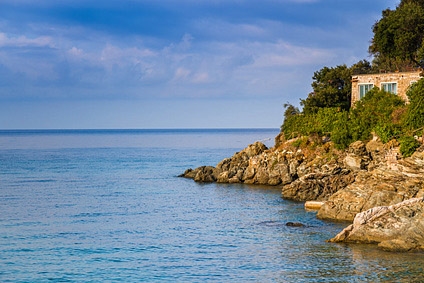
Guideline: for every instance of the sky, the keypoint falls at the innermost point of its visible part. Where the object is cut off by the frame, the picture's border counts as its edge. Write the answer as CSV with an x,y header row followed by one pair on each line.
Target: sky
x,y
135,64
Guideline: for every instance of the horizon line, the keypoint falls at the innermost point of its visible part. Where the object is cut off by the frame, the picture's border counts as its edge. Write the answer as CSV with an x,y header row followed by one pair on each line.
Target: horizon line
x,y
135,129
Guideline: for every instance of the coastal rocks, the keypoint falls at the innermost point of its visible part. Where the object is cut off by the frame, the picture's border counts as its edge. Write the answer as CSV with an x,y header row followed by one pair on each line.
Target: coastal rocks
x,y
372,178
313,173
313,205
229,170
318,185
357,157
234,169
205,174
389,183
398,227
303,174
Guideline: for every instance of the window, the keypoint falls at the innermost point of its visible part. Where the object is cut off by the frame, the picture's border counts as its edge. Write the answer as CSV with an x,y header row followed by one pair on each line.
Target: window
x,y
364,88
389,87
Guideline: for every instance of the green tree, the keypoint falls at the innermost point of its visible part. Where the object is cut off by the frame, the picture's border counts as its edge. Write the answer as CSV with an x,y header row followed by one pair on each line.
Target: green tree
x,y
291,120
362,67
398,37
290,110
331,88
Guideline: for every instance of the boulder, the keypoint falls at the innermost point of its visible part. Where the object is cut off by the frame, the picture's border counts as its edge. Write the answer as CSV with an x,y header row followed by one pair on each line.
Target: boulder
x,y
318,185
229,170
357,157
313,205
295,224
206,174
399,227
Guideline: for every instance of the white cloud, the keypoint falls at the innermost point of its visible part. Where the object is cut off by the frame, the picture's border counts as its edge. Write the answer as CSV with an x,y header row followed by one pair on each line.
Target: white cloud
x,y
76,52
284,54
116,55
23,41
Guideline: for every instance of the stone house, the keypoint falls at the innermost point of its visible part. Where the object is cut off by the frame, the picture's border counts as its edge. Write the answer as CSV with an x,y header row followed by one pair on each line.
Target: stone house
x,y
397,83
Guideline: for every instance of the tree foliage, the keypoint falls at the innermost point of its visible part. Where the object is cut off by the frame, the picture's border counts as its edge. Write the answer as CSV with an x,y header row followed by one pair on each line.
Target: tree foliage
x,y
372,114
331,88
398,37
397,45
362,67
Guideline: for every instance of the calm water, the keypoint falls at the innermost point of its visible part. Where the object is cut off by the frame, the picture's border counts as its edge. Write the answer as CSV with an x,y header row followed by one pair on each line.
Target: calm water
x,y
106,206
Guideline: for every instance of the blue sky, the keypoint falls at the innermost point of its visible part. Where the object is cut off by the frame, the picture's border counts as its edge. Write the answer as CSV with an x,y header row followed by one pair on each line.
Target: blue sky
x,y
171,63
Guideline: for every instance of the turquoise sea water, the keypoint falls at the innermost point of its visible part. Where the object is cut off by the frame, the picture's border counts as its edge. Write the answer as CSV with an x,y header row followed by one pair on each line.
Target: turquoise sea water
x,y
106,206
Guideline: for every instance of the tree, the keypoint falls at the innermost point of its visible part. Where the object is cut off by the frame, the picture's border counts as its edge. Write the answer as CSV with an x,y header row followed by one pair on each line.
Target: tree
x,y
362,67
331,88
398,37
290,110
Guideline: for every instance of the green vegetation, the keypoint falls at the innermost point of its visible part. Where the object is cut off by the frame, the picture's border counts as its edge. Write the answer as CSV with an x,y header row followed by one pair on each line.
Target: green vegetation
x,y
398,41
398,44
408,145
331,88
414,118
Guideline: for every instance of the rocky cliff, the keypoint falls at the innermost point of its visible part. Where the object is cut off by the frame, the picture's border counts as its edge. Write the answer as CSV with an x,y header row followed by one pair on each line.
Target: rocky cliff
x,y
349,182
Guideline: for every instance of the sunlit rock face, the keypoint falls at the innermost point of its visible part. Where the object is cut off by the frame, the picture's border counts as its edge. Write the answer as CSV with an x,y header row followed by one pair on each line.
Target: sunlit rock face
x,y
399,227
386,184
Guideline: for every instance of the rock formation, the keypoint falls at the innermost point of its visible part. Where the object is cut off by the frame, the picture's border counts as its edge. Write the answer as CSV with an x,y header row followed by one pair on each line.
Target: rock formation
x,y
363,177
303,174
399,227
386,184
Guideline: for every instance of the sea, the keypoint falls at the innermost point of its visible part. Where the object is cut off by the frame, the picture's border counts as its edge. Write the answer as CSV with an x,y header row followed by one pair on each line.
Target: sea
x,y
108,206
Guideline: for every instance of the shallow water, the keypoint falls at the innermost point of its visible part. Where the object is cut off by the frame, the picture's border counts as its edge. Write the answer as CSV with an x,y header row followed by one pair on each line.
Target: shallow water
x,y
106,206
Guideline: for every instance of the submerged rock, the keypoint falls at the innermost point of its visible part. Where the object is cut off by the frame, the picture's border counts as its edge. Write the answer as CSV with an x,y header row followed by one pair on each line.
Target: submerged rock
x,y
295,224
398,227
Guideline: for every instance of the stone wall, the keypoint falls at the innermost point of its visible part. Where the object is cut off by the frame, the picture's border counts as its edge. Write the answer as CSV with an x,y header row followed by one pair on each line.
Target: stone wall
x,y
403,80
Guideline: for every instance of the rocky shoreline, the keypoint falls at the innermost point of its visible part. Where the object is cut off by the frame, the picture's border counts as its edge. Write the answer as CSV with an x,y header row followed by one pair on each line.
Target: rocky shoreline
x,y
350,182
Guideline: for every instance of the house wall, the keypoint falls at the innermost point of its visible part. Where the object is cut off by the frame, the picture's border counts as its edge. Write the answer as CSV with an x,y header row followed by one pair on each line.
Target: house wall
x,y
403,80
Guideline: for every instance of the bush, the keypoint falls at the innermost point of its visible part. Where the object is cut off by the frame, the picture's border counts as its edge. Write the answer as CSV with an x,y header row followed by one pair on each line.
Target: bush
x,y
374,113
340,133
414,118
408,145
301,142
387,131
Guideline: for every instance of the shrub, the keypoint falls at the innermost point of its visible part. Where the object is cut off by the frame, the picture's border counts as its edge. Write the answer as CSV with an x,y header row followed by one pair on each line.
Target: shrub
x,y
408,145
301,142
414,118
374,113
387,131
340,133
